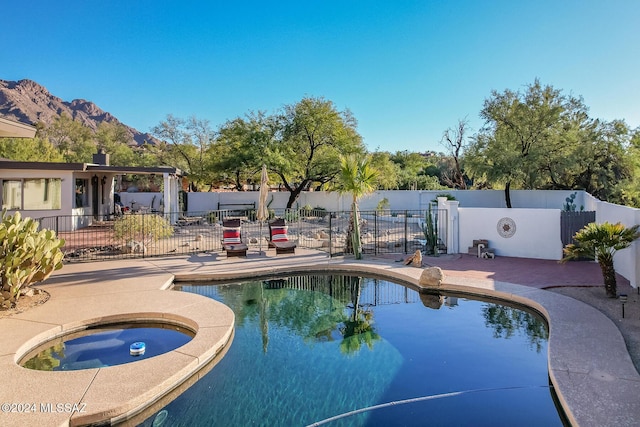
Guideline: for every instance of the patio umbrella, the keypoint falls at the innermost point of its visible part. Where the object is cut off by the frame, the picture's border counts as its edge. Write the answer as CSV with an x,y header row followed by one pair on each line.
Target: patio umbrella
x,y
263,211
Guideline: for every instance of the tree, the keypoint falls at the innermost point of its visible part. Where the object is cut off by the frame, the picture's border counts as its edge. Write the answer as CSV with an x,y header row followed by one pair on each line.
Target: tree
x,y
239,149
627,190
413,171
454,141
114,139
604,162
310,138
601,242
71,138
185,144
522,132
29,150
386,168
358,178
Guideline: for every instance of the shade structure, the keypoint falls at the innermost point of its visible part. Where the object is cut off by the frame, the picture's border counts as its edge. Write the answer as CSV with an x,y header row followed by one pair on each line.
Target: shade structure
x,y
263,211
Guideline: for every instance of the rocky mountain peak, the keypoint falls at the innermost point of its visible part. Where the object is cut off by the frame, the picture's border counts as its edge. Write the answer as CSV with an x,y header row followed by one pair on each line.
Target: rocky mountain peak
x,y
29,102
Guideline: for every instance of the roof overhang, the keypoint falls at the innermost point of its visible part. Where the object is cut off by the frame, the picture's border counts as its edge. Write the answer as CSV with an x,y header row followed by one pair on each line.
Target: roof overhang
x,y
135,169
88,167
11,129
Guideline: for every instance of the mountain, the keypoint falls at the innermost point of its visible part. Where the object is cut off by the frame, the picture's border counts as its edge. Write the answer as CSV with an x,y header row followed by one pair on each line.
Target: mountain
x,y
29,102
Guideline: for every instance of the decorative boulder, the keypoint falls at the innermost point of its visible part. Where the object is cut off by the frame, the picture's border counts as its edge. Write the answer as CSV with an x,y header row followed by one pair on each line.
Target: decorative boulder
x,y
431,276
322,235
415,260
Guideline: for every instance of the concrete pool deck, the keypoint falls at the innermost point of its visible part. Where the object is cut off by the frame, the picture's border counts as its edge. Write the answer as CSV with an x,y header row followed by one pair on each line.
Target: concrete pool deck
x,y
589,364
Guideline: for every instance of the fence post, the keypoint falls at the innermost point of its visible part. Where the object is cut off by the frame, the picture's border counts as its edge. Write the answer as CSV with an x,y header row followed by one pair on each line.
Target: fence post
x,y
375,232
143,234
330,234
406,231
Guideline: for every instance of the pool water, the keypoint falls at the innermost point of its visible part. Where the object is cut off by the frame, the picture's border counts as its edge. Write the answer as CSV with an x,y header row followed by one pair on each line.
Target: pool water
x,y
107,345
345,351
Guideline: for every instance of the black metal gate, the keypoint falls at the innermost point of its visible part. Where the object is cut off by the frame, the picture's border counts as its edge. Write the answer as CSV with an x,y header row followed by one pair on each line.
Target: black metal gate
x,y
571,222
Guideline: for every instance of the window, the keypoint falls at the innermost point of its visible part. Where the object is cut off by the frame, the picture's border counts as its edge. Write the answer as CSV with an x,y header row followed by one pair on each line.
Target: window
x,y
11,195
82,193
32,194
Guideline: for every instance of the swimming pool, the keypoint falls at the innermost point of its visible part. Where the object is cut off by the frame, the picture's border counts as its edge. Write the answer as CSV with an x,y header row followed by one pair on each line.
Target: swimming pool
x,y
341,350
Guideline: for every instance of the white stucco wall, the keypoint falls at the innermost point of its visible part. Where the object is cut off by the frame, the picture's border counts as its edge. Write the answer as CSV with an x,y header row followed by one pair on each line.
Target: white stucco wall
x,y
398,199
537,231
626,261
138,200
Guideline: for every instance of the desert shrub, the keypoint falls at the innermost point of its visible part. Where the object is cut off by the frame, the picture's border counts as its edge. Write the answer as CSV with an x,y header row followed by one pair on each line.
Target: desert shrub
x,y
383,205
212,217
27,256
143,228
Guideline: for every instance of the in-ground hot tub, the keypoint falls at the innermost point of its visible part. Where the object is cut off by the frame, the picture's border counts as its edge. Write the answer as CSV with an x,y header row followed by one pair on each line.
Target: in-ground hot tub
x,y
109,344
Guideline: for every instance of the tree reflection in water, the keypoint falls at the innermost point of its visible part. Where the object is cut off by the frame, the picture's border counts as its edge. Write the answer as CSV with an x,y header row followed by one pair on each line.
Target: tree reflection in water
x,y
322,308
507,321
317,308
358,328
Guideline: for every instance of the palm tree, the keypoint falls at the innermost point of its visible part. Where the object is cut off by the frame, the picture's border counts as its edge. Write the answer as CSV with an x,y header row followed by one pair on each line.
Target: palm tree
x,y
601,242
357,177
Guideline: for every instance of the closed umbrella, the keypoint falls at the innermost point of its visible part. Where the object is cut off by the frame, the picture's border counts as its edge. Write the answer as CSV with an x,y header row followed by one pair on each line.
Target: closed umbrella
x,y
263,211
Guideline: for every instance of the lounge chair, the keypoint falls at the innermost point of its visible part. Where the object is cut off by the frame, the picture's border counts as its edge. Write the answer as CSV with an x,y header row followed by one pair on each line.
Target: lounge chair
x,y
232,239
279,239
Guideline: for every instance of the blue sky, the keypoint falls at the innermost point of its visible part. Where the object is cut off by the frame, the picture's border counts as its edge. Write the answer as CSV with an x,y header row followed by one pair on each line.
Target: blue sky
x,y
407,70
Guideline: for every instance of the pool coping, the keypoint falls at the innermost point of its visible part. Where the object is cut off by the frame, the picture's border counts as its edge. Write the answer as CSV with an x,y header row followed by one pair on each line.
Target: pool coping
x,y
589,366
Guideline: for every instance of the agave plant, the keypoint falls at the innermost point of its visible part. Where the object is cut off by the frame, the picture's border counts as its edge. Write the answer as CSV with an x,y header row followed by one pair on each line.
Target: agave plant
x,y
601,242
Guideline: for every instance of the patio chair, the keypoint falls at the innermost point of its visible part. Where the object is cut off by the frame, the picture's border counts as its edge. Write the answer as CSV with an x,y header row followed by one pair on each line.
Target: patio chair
x,y
279,239
232,238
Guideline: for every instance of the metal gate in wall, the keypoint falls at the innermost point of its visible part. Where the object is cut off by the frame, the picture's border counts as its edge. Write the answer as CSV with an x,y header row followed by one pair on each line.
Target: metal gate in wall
x,y
571,222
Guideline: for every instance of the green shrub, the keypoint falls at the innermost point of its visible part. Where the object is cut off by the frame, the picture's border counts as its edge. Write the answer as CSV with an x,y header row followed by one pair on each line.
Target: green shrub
x,y
143,228
383,205
447,195
27,256
212,217
291,215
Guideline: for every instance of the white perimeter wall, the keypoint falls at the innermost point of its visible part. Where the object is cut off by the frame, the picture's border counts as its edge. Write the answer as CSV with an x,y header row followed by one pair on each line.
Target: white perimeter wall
x,y
537,231
626,261
398,199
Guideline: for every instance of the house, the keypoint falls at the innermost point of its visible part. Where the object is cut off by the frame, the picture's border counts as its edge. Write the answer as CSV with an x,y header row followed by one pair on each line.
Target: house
x,y
83,191
11,129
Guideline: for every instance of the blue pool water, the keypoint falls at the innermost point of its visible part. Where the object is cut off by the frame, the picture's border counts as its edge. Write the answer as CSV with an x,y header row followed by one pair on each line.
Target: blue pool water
x,y
320,350
107,345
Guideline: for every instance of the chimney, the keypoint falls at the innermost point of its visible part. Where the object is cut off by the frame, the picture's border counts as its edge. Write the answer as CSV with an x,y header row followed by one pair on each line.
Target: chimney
x,y
101,158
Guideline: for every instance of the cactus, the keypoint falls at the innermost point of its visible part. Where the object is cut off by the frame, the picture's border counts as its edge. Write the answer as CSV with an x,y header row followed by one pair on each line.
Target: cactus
x,y
27,256
569,206
430,230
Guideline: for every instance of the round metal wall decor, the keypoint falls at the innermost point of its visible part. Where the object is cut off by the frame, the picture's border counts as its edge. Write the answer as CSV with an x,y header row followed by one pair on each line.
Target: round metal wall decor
x,y
506,227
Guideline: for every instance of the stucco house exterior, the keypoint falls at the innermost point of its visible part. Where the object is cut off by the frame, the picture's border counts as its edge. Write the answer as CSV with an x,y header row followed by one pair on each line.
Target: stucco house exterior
x,y
84,191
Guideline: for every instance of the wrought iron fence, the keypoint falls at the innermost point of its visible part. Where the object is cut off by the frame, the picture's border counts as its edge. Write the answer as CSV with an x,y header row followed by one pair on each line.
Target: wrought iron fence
x,y
147,234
